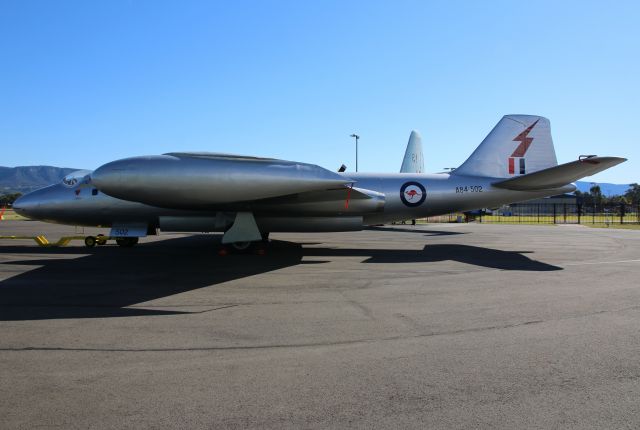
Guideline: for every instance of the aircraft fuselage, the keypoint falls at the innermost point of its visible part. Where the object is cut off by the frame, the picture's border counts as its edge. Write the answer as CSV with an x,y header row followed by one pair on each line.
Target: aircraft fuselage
x,y
404,196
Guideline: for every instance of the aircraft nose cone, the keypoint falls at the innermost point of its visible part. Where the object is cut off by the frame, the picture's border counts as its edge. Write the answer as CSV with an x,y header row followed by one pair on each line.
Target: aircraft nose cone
x,y
112,177
26,205
106,175
124,178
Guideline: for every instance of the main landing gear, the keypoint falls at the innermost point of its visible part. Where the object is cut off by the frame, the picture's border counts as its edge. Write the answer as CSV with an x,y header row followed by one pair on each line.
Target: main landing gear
x,y
244,236
242,246
258,247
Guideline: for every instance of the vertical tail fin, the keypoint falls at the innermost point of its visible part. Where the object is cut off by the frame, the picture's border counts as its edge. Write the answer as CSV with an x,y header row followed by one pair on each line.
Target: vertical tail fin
x,y
413,161
517,145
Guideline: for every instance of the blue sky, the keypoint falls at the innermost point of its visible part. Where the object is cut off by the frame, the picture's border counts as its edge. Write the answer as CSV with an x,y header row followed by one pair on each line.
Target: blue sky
x,y
83,83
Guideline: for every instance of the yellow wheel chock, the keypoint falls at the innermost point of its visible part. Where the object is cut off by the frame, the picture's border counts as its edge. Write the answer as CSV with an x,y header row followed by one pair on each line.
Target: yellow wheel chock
x,y
63,241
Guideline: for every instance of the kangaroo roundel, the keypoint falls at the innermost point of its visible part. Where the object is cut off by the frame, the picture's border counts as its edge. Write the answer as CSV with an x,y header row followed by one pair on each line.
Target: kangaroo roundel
x,y
412,194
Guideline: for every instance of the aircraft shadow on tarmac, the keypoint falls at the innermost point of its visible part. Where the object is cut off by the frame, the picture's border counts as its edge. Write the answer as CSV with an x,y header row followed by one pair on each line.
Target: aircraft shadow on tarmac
x,y
411,229
485,257
102,282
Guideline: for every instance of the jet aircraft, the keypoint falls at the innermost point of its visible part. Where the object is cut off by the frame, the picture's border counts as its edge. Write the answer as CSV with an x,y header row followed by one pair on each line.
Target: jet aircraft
x,y
249,197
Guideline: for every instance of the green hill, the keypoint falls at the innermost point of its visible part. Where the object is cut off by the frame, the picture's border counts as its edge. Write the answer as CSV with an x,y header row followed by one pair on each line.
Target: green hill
x,y
28,178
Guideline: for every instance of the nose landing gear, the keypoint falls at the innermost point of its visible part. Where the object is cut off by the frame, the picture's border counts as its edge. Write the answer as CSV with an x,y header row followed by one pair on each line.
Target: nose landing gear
x,y
125,242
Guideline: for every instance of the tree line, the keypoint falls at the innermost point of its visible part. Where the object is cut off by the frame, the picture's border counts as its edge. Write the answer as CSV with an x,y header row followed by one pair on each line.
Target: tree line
x,y
8,199
594,197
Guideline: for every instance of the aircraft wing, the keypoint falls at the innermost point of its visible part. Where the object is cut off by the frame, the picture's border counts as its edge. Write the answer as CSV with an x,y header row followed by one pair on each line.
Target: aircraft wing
x,y
560,175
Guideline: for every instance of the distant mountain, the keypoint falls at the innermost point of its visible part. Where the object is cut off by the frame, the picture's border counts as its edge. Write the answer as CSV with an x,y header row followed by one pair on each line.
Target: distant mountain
x,y
28,178
606,188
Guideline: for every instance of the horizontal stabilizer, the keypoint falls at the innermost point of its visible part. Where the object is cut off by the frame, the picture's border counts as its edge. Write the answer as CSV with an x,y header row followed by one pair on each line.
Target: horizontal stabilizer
x,y
557,176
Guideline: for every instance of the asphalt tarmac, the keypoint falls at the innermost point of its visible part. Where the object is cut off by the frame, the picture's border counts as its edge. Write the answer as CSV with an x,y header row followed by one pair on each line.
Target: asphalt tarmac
x,y
436,326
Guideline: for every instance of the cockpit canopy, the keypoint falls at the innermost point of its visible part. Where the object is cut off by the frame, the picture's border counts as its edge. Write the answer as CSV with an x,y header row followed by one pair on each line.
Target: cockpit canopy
x,y
77,177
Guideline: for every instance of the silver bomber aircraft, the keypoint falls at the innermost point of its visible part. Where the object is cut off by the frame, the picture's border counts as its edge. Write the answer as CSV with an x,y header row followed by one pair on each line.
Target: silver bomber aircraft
x,y
249,197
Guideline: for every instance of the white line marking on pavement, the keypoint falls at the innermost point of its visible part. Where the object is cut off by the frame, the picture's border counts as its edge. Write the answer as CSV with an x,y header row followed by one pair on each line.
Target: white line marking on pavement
x,y
602,262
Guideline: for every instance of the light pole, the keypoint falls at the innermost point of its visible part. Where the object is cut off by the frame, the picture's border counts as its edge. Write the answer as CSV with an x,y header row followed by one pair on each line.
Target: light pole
x,y
356,137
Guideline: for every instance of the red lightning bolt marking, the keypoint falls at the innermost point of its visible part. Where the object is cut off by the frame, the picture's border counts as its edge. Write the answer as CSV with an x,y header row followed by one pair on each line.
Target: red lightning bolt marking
x,y
524,140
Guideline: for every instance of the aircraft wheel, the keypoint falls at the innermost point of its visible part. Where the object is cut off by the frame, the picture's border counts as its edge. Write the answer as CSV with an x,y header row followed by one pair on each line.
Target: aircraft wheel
x,y
90,241
126,242
241,246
